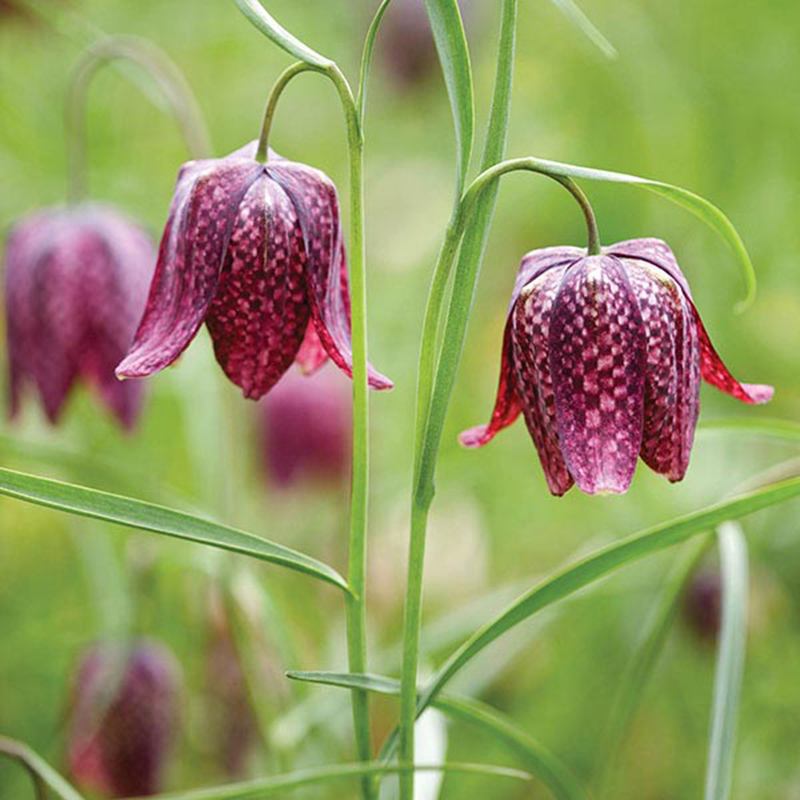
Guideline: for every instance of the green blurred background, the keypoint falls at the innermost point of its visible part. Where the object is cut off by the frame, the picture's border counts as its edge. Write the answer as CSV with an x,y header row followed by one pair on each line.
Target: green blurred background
x,y
703,94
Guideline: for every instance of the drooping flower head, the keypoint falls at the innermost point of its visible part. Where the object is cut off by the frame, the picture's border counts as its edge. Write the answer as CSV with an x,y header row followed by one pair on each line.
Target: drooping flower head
x,y
76,282
255,251
306,429
603,356
123,718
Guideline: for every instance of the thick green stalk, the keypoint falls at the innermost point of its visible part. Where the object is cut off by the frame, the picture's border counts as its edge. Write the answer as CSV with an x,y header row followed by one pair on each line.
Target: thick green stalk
x,y
423,484
166,76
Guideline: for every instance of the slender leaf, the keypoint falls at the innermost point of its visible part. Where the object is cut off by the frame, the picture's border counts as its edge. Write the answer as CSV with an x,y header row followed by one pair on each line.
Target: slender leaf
x,y
273,30
758,426
575,14
40,770
697,205
266,787
451,45
602,563
730,662
641,666
157,519
543,764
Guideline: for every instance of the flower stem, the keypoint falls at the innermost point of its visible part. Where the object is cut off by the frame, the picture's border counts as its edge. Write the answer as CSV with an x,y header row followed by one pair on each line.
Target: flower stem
x,y
366,59
166,76
262,151
357,560
430,365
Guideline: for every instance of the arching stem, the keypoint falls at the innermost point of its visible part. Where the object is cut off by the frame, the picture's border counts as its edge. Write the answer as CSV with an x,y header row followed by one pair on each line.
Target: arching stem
x,y
165,75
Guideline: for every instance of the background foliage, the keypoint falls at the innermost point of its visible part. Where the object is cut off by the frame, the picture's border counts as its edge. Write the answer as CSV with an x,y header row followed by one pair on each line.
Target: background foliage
x,y
703,95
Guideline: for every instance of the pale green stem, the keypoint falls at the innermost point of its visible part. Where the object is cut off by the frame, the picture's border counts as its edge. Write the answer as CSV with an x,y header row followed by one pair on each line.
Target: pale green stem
x,y
421,499
366,59
165,75
357,551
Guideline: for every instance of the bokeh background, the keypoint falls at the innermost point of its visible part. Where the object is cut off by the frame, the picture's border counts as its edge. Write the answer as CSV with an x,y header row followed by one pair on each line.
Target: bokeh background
x,y
703,94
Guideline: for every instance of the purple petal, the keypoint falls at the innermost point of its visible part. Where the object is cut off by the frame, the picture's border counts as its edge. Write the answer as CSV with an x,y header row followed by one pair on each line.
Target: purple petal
x,y
190,259
260,313
672,382
531,326
311,355
654,251
314,198
717,374
597,360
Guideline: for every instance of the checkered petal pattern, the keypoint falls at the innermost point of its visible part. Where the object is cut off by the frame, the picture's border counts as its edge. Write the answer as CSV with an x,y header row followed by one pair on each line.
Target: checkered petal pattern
x,y
603,356
255,251
76,282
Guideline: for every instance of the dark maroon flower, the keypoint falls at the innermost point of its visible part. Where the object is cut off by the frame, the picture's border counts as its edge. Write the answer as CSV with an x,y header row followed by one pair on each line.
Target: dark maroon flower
x,y
255,251
603,355
76,282
123,718
305,428
702,603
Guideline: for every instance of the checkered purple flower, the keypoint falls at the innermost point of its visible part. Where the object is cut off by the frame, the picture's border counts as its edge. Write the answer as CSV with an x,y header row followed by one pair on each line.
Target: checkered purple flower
x,y
256,252
76,282
603,356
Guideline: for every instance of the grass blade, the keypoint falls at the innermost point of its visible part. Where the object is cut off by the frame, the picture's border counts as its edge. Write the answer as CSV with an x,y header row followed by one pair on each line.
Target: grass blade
x,y
267,787
133,513
42,773
767,427
730,661
576,15
451,45
540,761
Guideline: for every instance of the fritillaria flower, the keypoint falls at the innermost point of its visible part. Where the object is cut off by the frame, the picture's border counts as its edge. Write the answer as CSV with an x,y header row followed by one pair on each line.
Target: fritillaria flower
x,y
603,356
255,251
76,282
123,718
306,428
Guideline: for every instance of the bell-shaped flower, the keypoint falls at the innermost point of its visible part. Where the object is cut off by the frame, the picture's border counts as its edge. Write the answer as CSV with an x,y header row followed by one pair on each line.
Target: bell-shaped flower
x,y
306,429
76,282
603,356
123,718
255,251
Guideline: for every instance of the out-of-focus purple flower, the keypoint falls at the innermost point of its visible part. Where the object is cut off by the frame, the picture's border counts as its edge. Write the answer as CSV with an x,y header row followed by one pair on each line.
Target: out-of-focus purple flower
x,y
305,428
406,44
76,281
233,725
123,718
603,355
702,603
256,252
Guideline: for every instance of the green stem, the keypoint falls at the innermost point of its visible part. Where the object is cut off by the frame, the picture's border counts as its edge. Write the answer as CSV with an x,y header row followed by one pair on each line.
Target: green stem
x,y
366,59
423,486
166,76
262,151
43,775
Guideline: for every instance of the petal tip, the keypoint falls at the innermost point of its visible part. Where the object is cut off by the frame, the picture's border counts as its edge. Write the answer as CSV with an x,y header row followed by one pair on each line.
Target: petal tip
x,y
759,393
475,437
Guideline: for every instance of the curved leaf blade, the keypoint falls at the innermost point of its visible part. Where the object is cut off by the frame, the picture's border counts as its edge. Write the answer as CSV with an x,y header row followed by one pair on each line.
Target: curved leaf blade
x,y
132,513
768,427
605,561
267,787
39,769
542,763
273,30
576,15
730,661
703,209
451,45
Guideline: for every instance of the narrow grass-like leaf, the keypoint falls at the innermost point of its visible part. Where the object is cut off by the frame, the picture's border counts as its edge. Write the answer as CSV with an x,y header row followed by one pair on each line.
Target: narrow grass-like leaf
x,y
157,519
767,427
39,769
267,787
542,764
637,675
697,205
576,15
451,45
274,31
730,661
594,567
